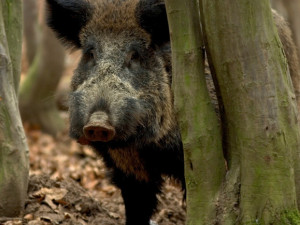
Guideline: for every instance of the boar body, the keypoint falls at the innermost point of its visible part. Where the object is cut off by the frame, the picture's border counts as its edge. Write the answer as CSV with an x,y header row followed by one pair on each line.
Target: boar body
x,y
121,101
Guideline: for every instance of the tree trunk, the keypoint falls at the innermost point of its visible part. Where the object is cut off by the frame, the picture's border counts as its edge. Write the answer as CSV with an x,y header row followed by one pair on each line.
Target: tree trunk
x,y
198,121
37,102
13,30
31,29
262,131
293,13
290,9
14,166
280,7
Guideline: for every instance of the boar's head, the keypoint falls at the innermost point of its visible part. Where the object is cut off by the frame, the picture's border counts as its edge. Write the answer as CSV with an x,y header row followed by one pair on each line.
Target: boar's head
x,y
121,89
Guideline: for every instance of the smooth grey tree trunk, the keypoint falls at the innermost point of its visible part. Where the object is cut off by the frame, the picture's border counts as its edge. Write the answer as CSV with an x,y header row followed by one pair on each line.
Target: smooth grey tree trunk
x,y
14,165
31,32
200,129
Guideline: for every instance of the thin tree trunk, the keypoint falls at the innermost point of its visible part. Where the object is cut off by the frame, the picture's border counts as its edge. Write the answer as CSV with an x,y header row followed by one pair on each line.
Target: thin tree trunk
x,y
37,102
293,12
31,29
261,113
13,29
14,166
290,9
279,6
204,162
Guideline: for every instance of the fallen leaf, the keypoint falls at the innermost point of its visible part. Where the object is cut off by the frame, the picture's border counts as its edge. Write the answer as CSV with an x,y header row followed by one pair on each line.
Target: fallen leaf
x,y
28,217
51,196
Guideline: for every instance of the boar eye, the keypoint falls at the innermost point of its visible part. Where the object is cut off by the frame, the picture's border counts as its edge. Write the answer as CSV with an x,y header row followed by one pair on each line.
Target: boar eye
x,y
135,56
132,59
89,55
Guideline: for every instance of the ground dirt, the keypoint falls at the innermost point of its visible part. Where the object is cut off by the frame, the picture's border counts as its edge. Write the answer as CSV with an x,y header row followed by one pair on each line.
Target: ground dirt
x,y
68,186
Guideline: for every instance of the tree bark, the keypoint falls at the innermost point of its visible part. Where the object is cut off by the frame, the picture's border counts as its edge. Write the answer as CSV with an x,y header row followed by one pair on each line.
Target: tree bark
x,y
13,30
279,6
262,131
201,133
37,102
290,10
31,29
14,165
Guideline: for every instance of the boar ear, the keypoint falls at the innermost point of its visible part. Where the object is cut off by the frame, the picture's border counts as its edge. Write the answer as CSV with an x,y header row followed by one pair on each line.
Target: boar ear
x,y
67,18
152,17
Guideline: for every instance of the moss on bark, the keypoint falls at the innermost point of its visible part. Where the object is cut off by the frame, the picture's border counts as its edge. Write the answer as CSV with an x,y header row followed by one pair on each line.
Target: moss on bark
x,y
290,217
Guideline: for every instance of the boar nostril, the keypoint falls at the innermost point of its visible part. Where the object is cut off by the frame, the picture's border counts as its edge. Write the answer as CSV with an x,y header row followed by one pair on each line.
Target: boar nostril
x,y
90,132
104,133
99,132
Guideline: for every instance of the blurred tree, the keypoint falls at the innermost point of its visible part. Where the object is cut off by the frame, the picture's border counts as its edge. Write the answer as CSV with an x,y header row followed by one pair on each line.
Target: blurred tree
x,y
290,9
30,10
280,7
14,165
37,102
261,140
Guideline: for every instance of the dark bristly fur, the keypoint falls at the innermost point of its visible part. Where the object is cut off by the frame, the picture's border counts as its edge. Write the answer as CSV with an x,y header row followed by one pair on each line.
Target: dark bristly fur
x,y
151,16
67,18
125,74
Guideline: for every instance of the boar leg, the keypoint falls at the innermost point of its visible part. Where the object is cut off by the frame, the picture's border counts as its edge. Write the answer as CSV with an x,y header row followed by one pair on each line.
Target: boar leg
x,y
139,198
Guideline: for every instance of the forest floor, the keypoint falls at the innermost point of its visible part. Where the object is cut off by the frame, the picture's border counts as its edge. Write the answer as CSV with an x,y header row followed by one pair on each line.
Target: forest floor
x,y
68,183
68,186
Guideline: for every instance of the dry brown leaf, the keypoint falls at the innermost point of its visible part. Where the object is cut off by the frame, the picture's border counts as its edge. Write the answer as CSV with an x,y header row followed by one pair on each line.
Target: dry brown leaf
x,y
28,217
51,196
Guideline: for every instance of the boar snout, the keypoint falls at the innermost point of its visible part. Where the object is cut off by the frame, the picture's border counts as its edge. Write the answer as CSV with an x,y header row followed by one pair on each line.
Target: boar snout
x,y
98,128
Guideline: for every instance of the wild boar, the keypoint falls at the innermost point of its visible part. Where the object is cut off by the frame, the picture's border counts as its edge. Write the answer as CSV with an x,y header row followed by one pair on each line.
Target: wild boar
x,y
121,101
